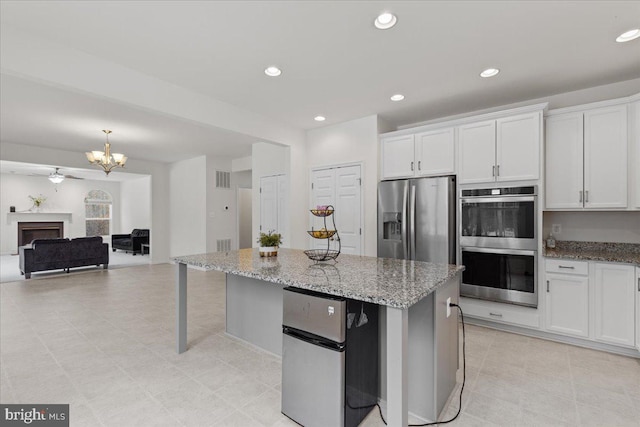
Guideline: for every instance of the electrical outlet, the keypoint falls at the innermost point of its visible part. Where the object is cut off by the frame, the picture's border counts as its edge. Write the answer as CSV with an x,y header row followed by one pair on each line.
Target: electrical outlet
x,y
448,306
556,229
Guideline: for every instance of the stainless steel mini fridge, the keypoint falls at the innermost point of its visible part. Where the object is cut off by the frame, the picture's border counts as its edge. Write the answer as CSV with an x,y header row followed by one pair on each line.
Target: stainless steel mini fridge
x,y
417,219
329,359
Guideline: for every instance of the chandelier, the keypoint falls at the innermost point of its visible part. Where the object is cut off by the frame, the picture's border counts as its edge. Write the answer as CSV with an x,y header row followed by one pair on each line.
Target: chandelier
x,y
106,159
56,177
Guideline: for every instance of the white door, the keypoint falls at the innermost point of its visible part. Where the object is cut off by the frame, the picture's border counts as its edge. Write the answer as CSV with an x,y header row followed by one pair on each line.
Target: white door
x,y
435,152
518,147
282,183
477,146
605,157
614,303
567,304
348,215
564,162
397,155
268,204
341,188
323,193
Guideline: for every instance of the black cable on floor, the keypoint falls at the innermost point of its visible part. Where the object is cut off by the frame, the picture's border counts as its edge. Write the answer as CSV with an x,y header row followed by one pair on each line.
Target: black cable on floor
x,y
464,378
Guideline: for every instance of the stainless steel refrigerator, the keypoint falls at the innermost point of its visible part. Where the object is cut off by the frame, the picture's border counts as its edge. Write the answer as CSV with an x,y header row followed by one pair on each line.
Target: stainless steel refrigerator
x,y
417,219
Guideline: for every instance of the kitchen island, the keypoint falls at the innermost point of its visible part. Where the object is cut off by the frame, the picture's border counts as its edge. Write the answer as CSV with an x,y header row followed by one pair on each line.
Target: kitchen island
x,y
419,350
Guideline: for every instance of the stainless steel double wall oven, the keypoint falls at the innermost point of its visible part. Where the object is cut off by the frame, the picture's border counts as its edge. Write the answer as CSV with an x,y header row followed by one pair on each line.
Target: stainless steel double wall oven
x,y
498,241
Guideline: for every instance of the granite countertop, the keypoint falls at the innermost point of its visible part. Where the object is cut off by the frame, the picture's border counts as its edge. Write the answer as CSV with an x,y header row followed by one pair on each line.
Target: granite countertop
x,y
384,281
595,251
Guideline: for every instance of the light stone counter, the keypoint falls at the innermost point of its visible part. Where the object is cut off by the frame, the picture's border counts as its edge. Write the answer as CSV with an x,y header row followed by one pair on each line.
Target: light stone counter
x,y
628,253
383,281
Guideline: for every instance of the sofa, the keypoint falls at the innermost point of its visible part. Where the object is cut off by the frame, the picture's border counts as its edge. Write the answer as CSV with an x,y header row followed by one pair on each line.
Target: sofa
x,y
130,242
62,254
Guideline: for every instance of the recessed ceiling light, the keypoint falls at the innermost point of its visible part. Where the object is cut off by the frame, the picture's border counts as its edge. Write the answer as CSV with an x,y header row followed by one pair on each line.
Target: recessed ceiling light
x,y
385,20
272,71
629,35
397,97
319,118
489,72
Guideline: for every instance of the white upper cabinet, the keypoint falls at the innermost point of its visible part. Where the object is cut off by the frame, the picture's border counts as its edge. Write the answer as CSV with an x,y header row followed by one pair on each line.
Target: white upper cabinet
x,y
477,152
435,152
586,159
635,168
506,149
563,161
398,157
614,304
422,154
518,148
605,157
638,308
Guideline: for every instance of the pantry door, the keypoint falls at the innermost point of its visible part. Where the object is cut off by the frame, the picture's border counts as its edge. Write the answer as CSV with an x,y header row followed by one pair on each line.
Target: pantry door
x,y
340,187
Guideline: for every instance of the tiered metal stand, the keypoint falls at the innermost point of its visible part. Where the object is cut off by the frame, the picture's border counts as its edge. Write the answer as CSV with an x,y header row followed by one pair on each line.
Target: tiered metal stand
x,y
319,255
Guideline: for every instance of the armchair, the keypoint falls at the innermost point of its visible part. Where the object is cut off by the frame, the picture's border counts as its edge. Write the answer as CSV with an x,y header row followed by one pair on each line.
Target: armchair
x,y
130,242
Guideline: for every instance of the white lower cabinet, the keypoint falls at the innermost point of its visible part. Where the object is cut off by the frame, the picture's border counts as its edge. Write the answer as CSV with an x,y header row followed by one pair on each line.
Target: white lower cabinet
x,y
567,304
638,308
614,305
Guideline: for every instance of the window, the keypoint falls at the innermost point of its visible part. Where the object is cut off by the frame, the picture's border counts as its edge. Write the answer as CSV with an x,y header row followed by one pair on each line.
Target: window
x,y
97,209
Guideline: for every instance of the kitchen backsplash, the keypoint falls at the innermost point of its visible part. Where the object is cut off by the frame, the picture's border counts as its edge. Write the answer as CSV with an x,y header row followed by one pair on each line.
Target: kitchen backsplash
x,y
623,227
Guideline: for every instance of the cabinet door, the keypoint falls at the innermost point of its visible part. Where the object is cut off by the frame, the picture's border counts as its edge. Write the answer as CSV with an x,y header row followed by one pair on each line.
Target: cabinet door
x,y
614,303
398,157
518,147
567,304
564,161
477,146
605,157
636,138
435,152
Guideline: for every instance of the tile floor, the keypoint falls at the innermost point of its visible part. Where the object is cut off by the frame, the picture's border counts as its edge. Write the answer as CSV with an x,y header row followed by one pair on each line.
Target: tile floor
x,y
103,341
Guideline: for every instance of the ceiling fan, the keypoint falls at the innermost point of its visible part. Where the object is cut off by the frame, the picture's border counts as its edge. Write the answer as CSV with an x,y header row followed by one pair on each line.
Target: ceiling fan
x,y
56,177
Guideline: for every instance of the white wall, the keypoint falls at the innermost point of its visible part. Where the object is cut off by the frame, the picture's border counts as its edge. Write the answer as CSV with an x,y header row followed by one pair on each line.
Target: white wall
x,y
188,208
16,189
221,222
622,227
135,204
353,141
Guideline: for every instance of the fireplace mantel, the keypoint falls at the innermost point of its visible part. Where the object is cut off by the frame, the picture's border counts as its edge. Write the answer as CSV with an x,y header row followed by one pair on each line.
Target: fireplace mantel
x,y
38,216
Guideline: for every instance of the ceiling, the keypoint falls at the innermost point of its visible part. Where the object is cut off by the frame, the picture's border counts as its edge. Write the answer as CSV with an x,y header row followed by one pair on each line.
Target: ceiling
x,y
334,62
31,169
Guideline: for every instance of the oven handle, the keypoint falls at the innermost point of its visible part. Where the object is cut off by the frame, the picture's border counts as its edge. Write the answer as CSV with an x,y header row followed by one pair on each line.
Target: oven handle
x,y
500,251
498,199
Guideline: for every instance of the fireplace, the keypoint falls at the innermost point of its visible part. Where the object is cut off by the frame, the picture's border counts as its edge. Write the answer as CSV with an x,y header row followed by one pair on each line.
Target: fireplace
x,y
27,231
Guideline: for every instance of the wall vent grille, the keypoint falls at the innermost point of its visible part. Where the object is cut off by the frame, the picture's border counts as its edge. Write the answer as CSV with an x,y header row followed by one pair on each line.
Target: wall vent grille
x,y
223,179
223,245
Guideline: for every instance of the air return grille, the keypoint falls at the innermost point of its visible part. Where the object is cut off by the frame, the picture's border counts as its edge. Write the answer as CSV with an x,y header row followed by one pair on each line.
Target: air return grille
x,y
223,179
223,245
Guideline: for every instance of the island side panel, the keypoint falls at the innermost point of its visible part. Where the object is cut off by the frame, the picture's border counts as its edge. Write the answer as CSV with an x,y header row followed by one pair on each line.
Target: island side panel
x,y
396,373
254,312
428,388
447,343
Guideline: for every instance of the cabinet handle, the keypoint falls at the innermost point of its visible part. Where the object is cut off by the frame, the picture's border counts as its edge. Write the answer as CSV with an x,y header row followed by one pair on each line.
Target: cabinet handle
x,y
411,166
638,284
580,196
547,286
564,266
586,196
419,162
498,170
495,314
493,171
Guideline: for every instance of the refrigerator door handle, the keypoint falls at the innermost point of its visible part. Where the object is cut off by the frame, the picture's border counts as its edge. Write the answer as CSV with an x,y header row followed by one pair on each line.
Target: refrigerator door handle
x,y
412,213
405,241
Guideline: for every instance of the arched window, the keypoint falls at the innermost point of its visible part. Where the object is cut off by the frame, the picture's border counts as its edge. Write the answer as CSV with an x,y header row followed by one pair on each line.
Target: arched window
x,y
97,209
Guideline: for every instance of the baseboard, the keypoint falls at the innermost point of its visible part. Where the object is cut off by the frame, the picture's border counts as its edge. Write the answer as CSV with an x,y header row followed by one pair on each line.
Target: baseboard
x,y
594,345
413,418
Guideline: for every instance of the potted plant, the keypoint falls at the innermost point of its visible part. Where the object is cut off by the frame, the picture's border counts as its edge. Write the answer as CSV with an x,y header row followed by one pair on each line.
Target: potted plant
x,y
269,243
37,202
